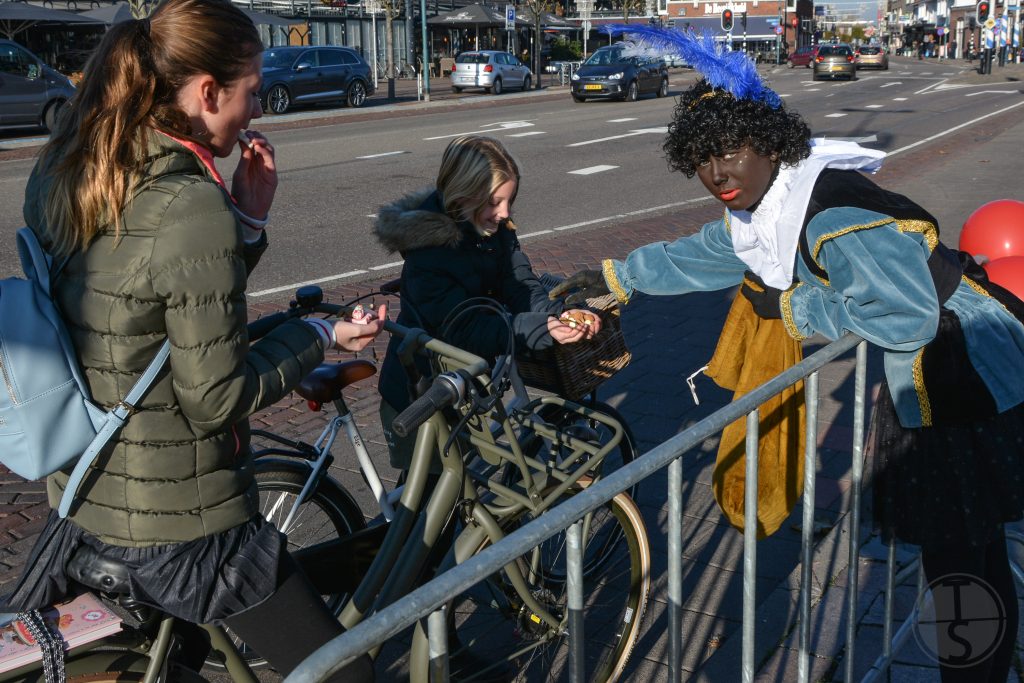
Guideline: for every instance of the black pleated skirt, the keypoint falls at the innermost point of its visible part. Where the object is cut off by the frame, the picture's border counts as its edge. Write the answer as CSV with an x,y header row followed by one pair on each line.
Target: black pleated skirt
x,y
201,581
956,482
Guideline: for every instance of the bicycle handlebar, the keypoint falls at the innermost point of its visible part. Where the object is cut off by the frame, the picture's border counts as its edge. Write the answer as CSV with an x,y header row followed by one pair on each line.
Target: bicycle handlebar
x,y
447,389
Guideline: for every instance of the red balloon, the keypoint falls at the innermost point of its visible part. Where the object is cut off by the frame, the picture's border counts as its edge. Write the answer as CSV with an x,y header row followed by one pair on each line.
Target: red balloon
x,y
995,230
1009,273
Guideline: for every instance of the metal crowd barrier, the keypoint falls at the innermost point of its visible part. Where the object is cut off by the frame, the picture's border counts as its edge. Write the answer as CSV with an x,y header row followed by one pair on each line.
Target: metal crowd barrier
x,y
429,599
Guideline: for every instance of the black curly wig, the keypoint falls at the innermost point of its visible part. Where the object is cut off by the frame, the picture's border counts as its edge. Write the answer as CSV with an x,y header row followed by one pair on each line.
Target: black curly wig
x,y
708,121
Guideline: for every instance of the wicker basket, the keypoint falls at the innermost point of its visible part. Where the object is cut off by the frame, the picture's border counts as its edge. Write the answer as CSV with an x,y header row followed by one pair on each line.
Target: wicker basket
x,y
574,370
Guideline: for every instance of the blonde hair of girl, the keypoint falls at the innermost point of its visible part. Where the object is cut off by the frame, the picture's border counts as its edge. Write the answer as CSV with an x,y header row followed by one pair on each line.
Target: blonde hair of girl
x,y
472,169
96,157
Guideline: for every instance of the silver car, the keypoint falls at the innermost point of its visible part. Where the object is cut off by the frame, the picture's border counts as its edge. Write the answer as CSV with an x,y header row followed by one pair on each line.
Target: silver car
x,y
835,61
31,93
491,70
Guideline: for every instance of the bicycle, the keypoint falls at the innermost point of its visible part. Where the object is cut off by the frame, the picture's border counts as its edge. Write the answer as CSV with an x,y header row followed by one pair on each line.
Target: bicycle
x,y
489,485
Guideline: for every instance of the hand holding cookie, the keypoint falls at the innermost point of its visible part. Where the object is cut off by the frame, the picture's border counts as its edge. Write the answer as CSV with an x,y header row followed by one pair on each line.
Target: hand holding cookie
x,y
573,325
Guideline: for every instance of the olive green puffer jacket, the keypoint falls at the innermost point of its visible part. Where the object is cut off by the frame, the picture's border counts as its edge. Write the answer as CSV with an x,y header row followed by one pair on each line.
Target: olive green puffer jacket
x,y
179,470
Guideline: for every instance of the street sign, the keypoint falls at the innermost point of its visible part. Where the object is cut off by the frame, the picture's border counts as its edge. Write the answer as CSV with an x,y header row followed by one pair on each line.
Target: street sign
x,y
990,23
510,17
940,31
772,22
778,30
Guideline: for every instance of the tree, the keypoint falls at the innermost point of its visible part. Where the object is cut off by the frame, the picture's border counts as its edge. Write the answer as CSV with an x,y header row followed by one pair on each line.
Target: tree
x,y
391,10
537,9
635,6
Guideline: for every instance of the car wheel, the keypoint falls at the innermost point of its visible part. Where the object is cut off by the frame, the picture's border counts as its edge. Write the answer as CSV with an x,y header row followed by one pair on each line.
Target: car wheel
x,y
527,82
456,89
356,94
632,92
497,86
278,99
577,98
52,113
663,90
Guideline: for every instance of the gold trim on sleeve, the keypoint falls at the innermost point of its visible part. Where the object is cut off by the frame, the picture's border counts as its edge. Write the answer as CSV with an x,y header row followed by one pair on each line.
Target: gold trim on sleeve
x,y
984,292
786,305
612,280
922,392
926,228
839,233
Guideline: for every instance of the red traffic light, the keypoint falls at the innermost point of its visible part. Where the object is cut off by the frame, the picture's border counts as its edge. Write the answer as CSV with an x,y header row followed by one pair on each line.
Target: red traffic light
x,y
794,22
983,11
727,20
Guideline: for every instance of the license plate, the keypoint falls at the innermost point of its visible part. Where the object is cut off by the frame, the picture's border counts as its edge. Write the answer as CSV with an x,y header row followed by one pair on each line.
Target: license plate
x,y
837,68
591,86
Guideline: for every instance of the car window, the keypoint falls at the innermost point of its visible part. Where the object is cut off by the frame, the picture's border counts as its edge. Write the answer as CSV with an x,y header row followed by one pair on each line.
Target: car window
x,y
605,57
870,50
278,59
471,58
348,57
17,62
329,57
501,58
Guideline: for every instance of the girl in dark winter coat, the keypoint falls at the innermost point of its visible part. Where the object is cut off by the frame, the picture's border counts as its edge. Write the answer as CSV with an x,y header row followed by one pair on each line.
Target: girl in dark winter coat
x,y
459,242
158,246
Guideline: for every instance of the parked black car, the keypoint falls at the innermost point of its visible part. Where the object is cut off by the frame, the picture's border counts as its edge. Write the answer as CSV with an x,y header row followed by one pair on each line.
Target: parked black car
x,y
31,93
613,72
311,75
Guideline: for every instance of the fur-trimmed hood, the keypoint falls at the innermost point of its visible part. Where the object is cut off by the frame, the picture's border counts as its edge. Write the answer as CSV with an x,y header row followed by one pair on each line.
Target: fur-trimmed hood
x,y
417,221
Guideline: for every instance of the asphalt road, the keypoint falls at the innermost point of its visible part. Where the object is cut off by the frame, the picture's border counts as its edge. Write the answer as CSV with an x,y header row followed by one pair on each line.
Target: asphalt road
x,y
585,166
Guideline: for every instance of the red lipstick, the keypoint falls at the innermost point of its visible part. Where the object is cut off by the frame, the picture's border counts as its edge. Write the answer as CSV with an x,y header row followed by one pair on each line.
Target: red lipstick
x,y
728,195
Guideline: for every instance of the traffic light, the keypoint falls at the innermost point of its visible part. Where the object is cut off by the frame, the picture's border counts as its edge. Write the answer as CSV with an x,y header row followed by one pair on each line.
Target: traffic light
x,y
743,20
983,11
794,22
727,20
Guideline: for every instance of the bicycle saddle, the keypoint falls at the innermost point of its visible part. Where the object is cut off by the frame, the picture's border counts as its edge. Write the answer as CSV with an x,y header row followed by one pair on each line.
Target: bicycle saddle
x,y
91,569
324,384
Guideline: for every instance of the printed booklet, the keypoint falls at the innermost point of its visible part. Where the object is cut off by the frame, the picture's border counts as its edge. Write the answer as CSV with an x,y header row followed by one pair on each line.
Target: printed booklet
x,y
80,621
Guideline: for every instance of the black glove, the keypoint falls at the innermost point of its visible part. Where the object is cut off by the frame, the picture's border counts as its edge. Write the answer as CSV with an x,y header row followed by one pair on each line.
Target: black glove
x,y
585,284
763,298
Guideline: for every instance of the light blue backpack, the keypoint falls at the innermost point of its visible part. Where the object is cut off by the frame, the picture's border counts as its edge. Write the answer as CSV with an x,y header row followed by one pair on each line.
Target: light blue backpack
x,y
47,418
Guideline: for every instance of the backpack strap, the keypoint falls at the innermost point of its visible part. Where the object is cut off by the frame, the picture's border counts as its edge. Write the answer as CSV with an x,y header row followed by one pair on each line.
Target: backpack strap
x,y
115,419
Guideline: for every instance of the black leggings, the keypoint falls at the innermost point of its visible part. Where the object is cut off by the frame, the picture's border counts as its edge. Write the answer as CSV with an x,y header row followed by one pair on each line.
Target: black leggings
x,y
292,623
990,564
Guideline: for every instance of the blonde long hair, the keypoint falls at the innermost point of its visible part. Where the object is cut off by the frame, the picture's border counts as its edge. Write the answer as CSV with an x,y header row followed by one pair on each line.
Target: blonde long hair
x,y
96,157
472,169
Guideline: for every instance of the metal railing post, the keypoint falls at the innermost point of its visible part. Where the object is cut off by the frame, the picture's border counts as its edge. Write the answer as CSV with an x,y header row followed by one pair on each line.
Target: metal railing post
x,y
437,645
859,403
750,547
807,535
574,580
675,571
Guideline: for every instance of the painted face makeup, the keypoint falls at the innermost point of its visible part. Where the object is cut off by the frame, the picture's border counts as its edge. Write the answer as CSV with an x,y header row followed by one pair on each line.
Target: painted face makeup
x,y
738,178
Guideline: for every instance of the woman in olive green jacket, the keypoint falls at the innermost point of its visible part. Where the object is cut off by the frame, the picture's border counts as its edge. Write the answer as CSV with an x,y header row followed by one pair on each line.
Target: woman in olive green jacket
x,y
155,245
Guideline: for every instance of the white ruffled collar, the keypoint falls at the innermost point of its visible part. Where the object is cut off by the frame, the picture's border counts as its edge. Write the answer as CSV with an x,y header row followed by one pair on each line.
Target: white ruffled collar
x,y
767,238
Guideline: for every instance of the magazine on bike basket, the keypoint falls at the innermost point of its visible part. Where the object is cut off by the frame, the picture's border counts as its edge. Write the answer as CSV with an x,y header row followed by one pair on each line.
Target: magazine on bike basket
x,y
80,621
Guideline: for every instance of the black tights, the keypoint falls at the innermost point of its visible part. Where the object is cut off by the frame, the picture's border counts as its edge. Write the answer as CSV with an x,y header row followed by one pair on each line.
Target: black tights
x,y
990,564
292,623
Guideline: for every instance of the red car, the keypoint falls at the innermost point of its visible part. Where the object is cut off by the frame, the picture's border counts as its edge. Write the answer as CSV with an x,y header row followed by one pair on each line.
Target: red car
x,y
803,56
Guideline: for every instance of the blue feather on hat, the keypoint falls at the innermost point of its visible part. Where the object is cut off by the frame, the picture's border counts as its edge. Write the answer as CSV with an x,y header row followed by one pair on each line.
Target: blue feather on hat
x,y
733,72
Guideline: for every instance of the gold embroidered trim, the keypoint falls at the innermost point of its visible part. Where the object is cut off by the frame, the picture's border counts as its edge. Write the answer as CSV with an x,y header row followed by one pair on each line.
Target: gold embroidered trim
x,y
728,226
614,286
926,228
839,233
787,313
981,290
922,393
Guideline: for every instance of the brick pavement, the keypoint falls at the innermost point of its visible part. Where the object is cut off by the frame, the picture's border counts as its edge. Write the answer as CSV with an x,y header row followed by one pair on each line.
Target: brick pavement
x,y
670,337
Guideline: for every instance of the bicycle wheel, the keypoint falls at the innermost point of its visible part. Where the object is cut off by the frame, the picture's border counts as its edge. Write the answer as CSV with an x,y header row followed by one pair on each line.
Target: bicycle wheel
x,y
495,631
327,515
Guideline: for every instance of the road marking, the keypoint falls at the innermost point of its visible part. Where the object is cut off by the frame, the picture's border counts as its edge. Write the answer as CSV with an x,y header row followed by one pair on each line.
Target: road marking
x,y
890,83
873,106
899,99
661,130
935,85
593,169
954,128
319,280
382,154
500,126
783,94
395,264
371,215
621,120
925,73
834,116
812,90
523,135
997,92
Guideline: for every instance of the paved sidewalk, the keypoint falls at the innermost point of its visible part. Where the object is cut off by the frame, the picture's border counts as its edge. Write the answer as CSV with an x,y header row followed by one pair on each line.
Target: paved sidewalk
x,y
670,337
